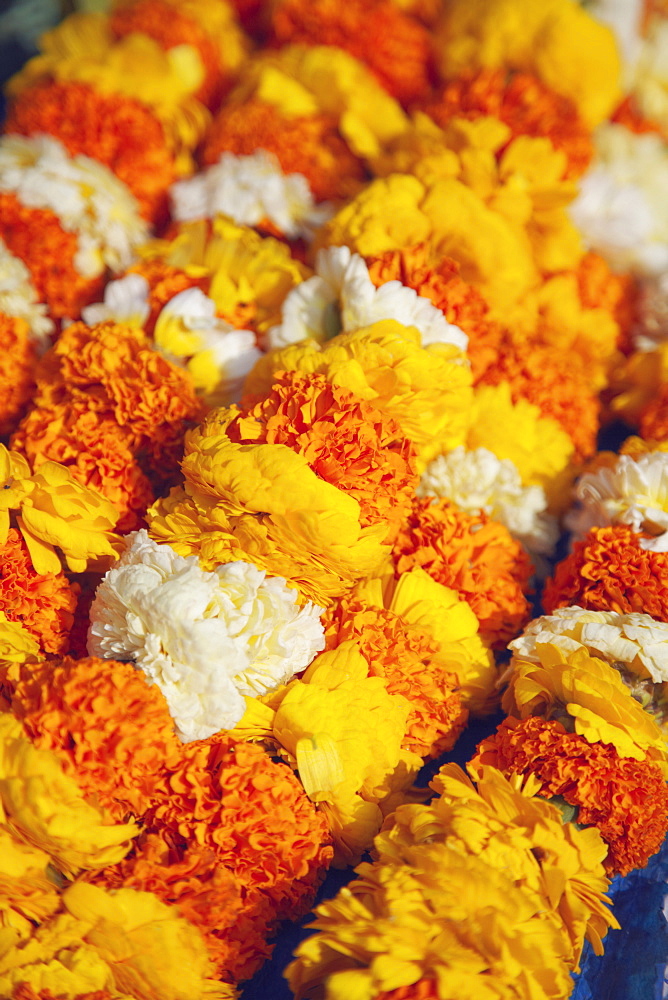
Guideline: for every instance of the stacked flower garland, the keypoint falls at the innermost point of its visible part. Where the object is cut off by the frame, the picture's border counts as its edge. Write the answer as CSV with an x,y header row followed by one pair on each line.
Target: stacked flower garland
x,y
310,318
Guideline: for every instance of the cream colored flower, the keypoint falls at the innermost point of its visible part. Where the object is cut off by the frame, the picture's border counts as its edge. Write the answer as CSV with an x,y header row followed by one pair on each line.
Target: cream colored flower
x,y
650,79
633,492
87,198
206,639
477,480
621,209
636,642
125,301
341,297
249,190
19,298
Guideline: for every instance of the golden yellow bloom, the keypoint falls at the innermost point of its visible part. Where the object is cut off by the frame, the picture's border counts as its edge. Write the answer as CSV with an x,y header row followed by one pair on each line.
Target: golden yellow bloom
x,y
41,805
55,510
422,601
249,275
83,49
26,892
426,390
263,503
556,40
17,645
587,694
539,447
636,381
400,211
127,942
343,732
301,80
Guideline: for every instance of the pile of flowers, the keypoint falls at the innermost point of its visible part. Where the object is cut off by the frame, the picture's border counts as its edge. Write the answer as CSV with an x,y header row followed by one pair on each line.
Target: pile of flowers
x,y
311,315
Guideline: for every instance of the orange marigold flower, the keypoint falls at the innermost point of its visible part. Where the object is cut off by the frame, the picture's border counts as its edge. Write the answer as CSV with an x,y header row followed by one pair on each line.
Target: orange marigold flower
x,y
114,129
111,728
36,237
18,357
253,813
473,555
558,386
654,417
601,288
170,26
407,657
308,145
235,924
394,46
43,603
609,571
111,370
424,989
524,103
631,117
626,799
345,440
441,283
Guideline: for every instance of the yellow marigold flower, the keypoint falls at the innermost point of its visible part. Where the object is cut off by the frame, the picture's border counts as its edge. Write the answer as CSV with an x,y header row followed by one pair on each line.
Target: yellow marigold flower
x,y
556,40
400,211
262,503
446,916
586,694
422,601
301,80
83,49
538,446
55,510
26,893
512,831
249,275
426,390
17,645
636,381
126,942
520,179
44,807
343,732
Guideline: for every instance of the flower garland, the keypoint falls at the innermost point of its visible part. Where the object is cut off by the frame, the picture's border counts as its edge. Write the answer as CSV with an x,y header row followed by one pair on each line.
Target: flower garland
x,y
310,327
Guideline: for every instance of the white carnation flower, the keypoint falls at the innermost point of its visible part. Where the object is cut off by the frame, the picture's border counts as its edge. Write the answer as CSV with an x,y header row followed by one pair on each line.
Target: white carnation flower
x,y
478,480
633,492
206,639
249,189
85,196
634,641
125,301
621,209
342,297
19,298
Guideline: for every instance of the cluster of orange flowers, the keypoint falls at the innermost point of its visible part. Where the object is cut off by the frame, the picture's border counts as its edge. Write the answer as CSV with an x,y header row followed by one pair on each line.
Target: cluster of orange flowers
x,y
292,293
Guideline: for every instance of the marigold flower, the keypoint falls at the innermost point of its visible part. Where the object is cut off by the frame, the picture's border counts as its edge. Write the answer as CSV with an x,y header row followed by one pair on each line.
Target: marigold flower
x,y
473,555
625,799
559,42
88,712
210,28
44,807
393,45
538,446
82,49
234,923
27,895
521,101
344,438
18,356
610,571
654,417
427,391
590,694
205,639
253,813
42,603
115,129
306,144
